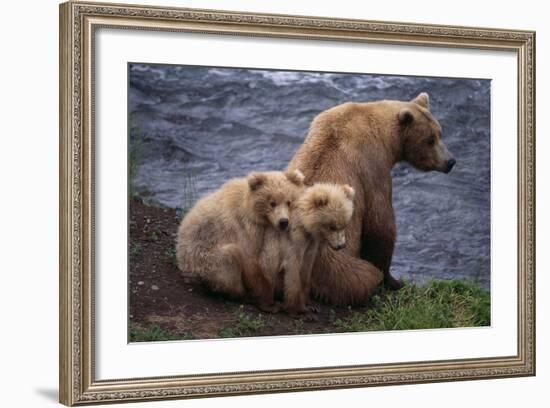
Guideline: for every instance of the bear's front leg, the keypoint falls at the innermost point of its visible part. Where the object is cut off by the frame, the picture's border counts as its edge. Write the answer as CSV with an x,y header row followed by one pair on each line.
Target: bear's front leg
x,y
306,272
260,286
377,244
296,281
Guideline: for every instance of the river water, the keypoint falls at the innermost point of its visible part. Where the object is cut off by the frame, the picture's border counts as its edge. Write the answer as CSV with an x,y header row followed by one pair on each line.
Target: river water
x,y
193,128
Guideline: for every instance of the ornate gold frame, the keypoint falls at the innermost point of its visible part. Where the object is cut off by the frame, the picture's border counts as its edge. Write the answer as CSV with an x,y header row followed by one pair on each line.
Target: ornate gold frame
x,y
78,22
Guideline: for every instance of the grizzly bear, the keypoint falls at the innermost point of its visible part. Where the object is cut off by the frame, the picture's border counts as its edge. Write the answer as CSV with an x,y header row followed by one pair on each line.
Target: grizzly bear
x,y
221,237
358,144
319,218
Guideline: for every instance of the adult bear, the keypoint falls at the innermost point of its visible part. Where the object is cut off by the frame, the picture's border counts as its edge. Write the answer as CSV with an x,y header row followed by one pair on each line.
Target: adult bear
x,y
358,144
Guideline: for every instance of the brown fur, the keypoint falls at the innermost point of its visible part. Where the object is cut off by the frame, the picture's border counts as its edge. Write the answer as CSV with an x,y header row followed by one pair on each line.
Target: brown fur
x,y
220,239
319,218
358,144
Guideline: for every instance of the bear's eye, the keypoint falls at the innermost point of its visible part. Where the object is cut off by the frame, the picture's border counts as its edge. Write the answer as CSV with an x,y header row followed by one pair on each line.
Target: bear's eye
x,y
431,141
288,203
273,204
332,227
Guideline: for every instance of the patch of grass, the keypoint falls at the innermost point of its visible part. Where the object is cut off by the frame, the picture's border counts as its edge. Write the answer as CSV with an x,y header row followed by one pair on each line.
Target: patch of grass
x,y
189,188
187,336
135,249
331,316
152,236
439,304
299,326
135,153
171,255
245,324
189,193
153,333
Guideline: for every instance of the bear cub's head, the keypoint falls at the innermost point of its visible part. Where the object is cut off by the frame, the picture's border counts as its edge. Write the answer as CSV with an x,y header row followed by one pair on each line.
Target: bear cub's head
x,y
421,137
325,210
272,194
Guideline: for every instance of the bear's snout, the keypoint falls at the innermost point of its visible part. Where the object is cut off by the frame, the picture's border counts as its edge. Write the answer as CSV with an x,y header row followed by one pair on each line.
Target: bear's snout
x,y
450,164
283,223
340,246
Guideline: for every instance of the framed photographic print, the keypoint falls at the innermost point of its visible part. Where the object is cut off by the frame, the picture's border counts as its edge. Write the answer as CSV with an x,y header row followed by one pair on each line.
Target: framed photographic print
x,y
262,203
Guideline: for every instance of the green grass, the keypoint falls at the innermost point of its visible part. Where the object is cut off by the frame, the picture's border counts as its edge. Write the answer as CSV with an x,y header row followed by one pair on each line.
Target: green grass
x,y
189,190
153,235
246,324
135,153
171,255
438,304
154,333
135,249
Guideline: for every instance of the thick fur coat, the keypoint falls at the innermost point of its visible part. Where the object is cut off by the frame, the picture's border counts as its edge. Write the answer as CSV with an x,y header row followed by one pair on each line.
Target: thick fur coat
x,y
358,144
221,238
319,219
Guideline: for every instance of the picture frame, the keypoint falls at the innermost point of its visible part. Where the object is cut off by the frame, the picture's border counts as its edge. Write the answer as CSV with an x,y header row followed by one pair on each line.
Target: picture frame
x,y
79,24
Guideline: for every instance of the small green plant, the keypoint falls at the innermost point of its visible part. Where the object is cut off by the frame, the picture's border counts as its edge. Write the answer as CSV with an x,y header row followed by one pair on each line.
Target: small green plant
x,y
245,325
331,316
135,157
299,327
189,192
355,323
171,255
153,235
188,336
153,333
135,249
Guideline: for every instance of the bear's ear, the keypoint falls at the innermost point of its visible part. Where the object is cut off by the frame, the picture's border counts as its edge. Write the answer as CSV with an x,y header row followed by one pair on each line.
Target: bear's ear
x,y
320,199
423,100
256,180
295,177
349,191
405,116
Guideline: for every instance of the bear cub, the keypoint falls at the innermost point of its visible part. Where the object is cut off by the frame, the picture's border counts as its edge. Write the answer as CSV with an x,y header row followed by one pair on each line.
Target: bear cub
x,y
221,237
319,217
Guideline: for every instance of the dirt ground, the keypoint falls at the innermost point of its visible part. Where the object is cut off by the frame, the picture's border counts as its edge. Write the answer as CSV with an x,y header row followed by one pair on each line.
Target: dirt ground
x,y
166,305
